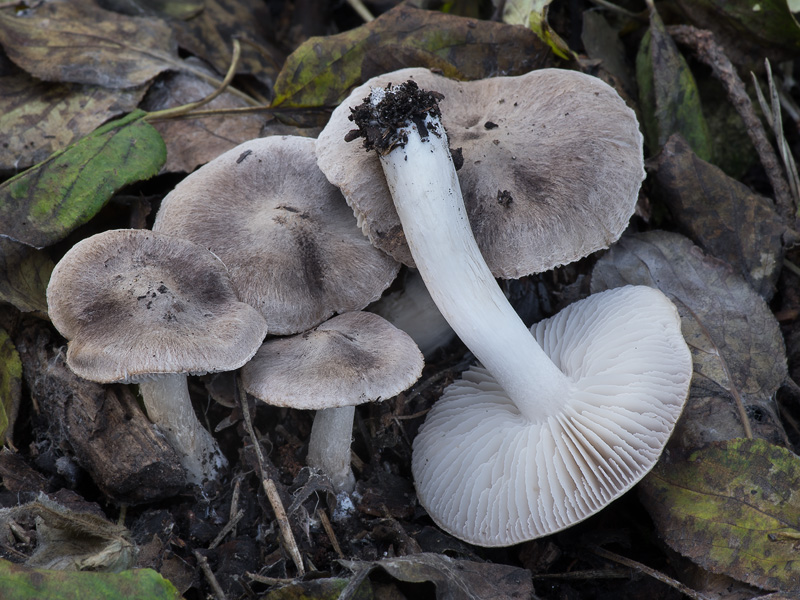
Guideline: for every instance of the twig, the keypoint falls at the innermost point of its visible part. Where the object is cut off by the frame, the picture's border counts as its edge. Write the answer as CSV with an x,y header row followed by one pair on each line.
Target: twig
x,y
326,525
267,580
361,10
202,562
272,492
651,572
705,47
177,111
226,530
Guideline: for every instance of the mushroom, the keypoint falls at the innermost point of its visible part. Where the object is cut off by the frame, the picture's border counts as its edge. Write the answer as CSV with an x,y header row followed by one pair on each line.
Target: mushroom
x,y
403,124
350,359
494,476
290,243
148,308
552,163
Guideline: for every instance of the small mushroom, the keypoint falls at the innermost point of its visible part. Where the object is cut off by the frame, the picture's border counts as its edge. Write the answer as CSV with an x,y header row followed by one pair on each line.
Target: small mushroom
x,y
287,237
351,359
403,124
149,308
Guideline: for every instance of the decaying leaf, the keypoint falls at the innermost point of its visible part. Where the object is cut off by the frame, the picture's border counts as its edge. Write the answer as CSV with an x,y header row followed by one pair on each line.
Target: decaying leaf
x,y
39,118
24,274
210,36
24,583
73,540
79,42
722,215
10,384
323,69
738,352
45,203
533,14
463,579
177,9
668,95
749,31
602,42
733,508
193,142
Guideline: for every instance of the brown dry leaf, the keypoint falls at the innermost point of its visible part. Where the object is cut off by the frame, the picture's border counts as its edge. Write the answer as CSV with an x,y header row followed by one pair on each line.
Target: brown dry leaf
x,y
210,34
195,141
78,42
39,118
736,345
722,215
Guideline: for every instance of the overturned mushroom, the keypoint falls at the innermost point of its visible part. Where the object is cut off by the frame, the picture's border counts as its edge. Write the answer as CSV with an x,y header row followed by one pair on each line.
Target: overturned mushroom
x,y
148,308
403,125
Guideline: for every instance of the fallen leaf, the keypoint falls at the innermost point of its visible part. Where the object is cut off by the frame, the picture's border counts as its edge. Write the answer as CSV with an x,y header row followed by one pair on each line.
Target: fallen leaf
x,y
210,35
10,384
177,9
24,274
24,583
39,118
454,579
79,42
722,215
45,203
668,96
533,14
733,509
736,345
323,69
602,42
195,141
749,31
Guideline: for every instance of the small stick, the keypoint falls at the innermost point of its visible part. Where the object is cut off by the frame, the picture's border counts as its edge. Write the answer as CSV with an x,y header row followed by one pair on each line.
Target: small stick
x,y
326,525
272,492
235,502
651,572
226,530
202,562
267,580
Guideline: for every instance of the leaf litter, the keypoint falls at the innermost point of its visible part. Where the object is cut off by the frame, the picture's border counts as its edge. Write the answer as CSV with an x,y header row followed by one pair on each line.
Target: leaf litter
x,y
226,542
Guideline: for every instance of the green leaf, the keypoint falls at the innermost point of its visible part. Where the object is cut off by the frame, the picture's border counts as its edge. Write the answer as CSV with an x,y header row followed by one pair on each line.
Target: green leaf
x,y
733,508
323,69
24,275
668,93
44,204
22,583
10,383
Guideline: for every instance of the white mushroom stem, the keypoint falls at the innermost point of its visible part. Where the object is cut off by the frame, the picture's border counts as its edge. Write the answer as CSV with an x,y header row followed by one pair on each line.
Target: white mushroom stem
x,y
166,399
426,193
329,446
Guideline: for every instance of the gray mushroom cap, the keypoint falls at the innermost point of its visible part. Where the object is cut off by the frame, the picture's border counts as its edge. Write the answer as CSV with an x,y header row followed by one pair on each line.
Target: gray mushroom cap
x,y
552,166
136,304
350,359
286,235
492,477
